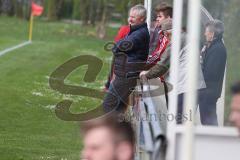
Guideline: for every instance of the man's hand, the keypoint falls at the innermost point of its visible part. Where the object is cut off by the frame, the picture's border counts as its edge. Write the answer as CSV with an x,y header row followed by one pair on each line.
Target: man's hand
x,y
143,76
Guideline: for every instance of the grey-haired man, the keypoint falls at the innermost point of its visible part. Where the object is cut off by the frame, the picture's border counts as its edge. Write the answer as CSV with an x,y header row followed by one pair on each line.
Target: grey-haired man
x,y
213,61
130,51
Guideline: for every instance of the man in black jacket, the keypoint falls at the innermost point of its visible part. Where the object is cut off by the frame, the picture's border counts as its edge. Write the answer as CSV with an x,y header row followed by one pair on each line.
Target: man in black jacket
x,y
129,52
213,59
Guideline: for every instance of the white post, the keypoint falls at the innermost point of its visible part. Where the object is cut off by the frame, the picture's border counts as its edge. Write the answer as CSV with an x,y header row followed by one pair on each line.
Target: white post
x,y
221,102
148,6
193,58
176,45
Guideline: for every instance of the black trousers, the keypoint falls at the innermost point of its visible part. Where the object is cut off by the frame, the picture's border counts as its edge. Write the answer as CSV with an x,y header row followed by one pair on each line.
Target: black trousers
x,y
117,96
179,116
207,108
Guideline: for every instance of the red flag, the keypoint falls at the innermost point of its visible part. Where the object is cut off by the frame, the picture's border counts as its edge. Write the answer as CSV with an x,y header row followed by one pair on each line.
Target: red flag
x,y
36,9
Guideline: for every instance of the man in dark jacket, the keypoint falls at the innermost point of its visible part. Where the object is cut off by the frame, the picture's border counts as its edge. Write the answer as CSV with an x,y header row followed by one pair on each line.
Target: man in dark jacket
x,y
213,59
122,33
130,52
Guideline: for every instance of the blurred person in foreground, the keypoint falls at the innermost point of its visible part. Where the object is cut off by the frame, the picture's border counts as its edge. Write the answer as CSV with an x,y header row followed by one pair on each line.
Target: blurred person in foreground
x,y
108,138
213,61
235,105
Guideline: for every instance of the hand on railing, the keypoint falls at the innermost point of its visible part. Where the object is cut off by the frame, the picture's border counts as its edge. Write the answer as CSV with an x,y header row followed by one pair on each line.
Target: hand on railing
x,y
143,77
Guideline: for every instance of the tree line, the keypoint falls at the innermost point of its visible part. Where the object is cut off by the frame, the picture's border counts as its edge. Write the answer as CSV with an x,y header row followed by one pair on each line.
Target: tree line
x,y
88,11
99,12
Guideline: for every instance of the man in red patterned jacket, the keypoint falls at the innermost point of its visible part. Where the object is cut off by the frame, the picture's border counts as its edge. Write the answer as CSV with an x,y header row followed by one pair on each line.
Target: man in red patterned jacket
x,y
159,41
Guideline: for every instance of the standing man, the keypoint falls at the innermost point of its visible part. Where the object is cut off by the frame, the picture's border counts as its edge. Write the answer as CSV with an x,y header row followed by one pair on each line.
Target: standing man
x,y
157,43
162,66
213,59
129,51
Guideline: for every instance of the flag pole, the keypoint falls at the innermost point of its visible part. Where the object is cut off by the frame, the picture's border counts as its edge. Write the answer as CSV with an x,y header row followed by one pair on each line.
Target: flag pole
x,y
30,27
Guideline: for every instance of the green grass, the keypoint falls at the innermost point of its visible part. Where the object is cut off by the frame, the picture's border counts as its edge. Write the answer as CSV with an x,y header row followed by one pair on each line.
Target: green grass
x,y
29,128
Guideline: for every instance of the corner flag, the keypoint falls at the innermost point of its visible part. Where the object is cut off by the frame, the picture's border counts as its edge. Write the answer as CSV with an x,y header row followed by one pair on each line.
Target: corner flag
x,y
37,10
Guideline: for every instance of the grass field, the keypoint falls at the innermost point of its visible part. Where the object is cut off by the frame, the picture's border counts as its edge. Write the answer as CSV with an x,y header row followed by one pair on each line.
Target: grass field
x,y
29,128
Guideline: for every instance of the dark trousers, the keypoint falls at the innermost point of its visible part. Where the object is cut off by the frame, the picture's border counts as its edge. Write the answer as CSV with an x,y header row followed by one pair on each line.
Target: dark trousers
x,y
179,116
110,75
117,96
207,108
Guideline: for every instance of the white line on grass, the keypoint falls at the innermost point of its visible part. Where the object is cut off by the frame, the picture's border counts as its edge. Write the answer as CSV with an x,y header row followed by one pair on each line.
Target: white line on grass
x,y
14,47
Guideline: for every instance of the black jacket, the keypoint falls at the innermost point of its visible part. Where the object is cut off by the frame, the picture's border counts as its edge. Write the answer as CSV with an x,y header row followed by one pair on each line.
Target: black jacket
x,y
133,49
213,67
